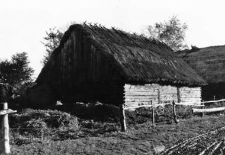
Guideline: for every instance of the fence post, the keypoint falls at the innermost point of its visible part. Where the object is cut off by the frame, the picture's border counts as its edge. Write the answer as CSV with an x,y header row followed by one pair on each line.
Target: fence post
x,y
5,90
203,107
42,135
153,115
4,142
178,95
5,148
174,113
122,118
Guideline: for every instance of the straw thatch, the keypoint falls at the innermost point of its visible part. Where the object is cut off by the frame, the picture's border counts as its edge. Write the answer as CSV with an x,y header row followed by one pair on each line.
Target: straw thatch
x,y
137,59
208,62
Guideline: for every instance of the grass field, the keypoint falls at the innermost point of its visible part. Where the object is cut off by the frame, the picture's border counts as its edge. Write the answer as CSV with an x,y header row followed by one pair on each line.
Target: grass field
x,y
95,136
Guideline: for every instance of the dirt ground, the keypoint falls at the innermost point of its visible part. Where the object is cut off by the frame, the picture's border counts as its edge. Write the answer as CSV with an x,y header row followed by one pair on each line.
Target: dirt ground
x,y
139,139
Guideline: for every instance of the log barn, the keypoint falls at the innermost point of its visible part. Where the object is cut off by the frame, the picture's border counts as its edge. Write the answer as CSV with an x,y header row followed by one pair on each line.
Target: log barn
x,y
209,63
93,63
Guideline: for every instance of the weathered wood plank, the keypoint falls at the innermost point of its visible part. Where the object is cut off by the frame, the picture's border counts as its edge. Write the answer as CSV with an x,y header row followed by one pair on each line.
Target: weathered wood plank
x,y
189,104
135,107
139,100
186,88
147,93
140,97
122,118
5,147
137,103
218,109
189,95
190,99
214,101
137,86
174,113
168,98
188,91
168,95
7,111
141,90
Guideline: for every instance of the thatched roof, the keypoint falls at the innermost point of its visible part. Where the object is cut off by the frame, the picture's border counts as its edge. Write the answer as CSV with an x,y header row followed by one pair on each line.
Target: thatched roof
x,y
139,59
208,62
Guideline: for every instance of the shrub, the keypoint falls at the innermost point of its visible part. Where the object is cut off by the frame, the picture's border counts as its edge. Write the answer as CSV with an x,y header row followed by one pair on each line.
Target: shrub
x,y
34,126
34,121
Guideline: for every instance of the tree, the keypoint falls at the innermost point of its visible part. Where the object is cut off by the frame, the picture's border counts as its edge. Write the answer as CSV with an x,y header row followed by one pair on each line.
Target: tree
x,y
52,41
17,71
171,32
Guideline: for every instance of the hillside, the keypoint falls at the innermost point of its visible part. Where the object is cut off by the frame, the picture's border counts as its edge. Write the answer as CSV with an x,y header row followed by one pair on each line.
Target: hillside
x,y
208,62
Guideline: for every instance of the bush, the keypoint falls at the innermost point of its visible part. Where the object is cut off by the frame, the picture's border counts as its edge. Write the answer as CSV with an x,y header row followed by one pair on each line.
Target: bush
x,y
35,121
34,126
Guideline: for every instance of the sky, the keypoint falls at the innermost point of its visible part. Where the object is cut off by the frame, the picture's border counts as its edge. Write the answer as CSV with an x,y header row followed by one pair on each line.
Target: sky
x,y
23,23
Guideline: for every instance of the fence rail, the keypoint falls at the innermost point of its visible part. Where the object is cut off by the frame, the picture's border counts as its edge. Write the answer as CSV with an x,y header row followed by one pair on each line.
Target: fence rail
x,y
218,109
209,110
195,107
213,101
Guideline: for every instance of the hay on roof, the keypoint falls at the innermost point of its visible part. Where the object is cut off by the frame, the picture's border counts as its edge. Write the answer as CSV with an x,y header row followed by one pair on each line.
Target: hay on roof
x,y
208,62
137,59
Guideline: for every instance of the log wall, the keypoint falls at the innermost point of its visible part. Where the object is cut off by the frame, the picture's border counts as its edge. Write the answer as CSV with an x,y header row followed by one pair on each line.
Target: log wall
x,y
149,94
190,94
137,95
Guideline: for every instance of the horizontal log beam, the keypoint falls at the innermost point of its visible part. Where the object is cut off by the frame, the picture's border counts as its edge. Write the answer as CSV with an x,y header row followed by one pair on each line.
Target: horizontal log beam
x,y
189,104
7,111
213,101
136,103
218,109
140,90
139,100
140,94
140,97
135,107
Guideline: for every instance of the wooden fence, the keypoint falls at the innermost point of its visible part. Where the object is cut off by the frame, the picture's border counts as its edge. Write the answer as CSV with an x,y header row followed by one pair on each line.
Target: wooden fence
x,y
123,117
196,109
209,110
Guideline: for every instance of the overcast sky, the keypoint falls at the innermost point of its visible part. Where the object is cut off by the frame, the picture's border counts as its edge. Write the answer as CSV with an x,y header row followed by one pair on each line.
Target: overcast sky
x,y
23,23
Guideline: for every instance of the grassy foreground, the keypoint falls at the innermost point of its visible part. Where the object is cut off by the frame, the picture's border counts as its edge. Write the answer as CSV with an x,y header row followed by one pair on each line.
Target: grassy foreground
x,y
97,137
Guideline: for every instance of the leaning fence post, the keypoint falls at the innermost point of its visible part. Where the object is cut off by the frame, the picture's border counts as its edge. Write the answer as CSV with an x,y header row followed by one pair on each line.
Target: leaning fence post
x,y
174,113
122,118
